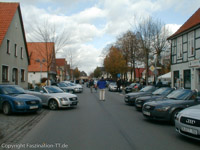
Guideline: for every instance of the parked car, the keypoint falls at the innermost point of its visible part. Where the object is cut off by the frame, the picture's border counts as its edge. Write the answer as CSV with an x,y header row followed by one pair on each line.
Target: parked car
x,y
113,87
187,122
55,98
167,108
64,87
156,95
133,87
131,97
77,88
14,99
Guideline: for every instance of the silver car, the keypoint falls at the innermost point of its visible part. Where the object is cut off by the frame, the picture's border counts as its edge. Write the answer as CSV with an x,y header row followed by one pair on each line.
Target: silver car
x,y
55,98
187,122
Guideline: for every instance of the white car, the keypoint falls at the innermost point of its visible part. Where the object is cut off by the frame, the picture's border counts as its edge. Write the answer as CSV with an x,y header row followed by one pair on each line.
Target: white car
x,y
54,97
187,122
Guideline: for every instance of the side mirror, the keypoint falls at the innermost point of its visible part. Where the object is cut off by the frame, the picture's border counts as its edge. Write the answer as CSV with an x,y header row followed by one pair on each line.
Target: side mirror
x,y
41,91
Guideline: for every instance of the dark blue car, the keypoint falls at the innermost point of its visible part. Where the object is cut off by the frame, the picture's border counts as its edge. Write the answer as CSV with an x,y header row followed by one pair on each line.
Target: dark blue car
x,y
14,99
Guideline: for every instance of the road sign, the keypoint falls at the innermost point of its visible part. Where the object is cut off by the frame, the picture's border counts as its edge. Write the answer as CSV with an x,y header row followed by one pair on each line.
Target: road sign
x,y
152,68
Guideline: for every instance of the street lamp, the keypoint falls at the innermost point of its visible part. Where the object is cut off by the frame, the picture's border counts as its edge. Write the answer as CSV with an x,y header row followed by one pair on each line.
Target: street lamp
x,y
41,62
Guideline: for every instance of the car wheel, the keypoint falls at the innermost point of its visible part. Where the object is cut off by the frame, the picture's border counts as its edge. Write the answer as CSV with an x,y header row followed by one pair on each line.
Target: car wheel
x,y
53,104
7,108
174,113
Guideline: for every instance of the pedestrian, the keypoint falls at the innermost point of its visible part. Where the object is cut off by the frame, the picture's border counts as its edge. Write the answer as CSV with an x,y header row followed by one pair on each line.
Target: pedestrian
x,y
91,84
159,84
101,85
119,83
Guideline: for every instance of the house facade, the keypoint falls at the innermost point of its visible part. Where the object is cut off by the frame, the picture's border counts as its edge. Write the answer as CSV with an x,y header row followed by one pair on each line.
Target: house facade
x,y
185,54
42,62
14,58
62,69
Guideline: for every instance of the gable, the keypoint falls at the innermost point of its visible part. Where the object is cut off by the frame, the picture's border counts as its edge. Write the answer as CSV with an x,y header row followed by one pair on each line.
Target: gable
x,y
7,13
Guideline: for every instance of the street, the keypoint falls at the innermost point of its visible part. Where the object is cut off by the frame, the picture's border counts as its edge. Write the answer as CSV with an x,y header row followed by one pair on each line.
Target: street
x,y
98,125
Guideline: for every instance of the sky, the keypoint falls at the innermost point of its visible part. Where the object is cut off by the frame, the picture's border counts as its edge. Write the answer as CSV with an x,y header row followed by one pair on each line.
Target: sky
x,y
91,25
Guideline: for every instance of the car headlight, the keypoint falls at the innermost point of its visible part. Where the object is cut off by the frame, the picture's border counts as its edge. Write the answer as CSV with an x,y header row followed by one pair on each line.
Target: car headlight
x,y
178,116
138,101
163,109
19,103
63,99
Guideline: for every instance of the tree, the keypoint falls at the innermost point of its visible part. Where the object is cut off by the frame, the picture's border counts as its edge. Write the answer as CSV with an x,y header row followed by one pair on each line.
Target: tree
x,y
129,45
97,72
145,35
47,32
76,73
114,62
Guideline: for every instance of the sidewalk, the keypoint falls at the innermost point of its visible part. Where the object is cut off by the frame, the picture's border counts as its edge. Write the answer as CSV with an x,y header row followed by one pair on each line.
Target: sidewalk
x,y
14,127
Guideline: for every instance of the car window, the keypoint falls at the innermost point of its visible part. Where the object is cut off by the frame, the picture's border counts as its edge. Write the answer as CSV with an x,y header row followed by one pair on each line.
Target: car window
x,y
180,94
162,91
62,85
147,89
52,89
12,90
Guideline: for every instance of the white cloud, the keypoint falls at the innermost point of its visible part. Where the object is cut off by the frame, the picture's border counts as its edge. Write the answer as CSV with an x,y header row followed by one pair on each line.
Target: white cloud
x,y
173,28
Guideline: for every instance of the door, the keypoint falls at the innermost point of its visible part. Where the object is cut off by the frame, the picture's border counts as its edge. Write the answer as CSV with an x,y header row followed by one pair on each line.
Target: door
x,y
15,76
187,79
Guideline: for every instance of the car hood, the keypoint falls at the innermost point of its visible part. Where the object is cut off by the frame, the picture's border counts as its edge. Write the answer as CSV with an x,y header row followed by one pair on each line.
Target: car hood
x,y
129,87
145,98
136,94
192,112
60,95
165,102
25,97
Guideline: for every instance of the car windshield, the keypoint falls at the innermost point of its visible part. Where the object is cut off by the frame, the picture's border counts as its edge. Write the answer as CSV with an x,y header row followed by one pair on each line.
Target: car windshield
x,y
52,89
113,83
12,90
72,84
147,89
132,84
162,91
62,84
180,94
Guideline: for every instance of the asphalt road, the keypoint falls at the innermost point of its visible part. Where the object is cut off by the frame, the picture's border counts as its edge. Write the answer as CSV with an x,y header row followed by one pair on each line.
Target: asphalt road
x,y
98,125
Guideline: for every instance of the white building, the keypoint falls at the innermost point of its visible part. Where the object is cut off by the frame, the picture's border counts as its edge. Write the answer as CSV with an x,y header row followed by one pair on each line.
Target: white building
x,y
185,54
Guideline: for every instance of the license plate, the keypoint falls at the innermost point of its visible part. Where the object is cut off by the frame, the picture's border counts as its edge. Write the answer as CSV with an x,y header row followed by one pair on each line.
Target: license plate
x,y
138,105
189,130
146,113
74,103
33,107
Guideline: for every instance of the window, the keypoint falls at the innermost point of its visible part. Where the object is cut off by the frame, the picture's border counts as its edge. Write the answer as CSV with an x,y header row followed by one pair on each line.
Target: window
x,y
5,73
179,48
15,50
22,75
176,79
8,46
191,44
22,53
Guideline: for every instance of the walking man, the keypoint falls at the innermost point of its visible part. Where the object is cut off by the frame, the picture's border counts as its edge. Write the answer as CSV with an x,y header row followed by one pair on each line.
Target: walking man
x,y
101,85
91,84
